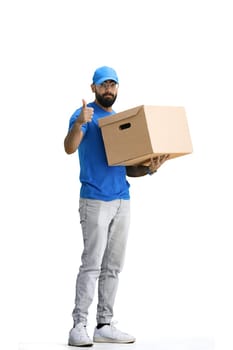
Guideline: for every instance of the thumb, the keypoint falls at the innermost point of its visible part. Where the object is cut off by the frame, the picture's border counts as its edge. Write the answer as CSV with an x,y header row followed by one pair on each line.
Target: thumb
x,y
84,103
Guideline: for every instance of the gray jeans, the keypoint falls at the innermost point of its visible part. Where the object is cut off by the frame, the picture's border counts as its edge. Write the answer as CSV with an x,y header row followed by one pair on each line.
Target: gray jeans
x,y
105,228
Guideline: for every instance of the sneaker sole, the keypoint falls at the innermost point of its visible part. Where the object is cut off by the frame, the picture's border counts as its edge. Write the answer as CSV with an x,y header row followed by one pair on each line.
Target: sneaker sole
x,y
82,345
108,340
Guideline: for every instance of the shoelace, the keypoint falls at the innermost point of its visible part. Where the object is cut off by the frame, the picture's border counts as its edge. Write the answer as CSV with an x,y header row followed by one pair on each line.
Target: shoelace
x,y
83,328
113,323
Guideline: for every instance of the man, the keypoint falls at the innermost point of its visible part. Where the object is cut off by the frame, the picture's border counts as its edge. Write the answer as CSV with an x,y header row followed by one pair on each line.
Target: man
x,y
104,209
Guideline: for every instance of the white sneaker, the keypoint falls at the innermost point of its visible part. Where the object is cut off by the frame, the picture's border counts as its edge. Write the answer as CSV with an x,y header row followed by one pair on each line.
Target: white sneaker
x,y
78,336
110,334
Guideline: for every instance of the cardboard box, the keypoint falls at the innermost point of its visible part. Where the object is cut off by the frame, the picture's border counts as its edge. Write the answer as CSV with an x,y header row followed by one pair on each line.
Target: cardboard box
x,y
134,136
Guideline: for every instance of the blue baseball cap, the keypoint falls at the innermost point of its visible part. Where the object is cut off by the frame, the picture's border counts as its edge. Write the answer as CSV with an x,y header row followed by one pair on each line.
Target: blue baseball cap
x,y
104,73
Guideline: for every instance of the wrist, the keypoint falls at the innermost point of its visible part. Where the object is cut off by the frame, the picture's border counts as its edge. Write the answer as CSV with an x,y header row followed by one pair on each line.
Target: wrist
x,y
151,172
78,124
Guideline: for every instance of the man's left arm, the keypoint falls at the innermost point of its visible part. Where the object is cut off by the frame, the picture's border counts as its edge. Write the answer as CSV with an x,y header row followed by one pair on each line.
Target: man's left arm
x,y
146,168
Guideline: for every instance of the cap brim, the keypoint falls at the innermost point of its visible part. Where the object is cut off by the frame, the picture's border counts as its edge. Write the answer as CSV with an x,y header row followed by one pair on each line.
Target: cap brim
x,y
100,81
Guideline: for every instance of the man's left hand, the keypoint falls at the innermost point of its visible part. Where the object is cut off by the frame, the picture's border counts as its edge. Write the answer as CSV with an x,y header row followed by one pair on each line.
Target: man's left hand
x,y
156,162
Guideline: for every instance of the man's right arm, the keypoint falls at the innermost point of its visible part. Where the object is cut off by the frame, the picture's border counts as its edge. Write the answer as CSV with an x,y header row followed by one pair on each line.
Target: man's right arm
x,y
75,134
73,138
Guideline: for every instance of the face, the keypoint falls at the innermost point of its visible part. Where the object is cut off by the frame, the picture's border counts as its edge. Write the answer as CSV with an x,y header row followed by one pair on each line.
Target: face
x,y
106,93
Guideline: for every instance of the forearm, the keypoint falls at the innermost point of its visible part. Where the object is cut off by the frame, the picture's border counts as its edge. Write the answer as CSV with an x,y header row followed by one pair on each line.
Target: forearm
x,y
73,139
136,171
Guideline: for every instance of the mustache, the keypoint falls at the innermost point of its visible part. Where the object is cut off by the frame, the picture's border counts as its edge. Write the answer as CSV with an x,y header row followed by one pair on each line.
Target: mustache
x,y
108,94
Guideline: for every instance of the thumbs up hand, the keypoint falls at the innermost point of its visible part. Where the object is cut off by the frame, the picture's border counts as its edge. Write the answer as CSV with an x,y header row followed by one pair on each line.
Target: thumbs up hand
x,y
86,114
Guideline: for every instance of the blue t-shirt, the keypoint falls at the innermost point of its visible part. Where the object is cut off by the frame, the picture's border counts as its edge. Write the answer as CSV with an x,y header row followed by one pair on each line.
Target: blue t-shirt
x,y
98,180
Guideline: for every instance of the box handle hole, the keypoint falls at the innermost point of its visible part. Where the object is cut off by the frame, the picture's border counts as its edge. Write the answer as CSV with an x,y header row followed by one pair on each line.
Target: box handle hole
x,y
125,126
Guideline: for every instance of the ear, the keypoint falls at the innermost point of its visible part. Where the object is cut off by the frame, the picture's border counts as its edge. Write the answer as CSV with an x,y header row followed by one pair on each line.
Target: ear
x,y
93,88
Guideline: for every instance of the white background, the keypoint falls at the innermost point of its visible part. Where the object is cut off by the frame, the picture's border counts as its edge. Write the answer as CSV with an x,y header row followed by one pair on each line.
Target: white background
x,y
177,281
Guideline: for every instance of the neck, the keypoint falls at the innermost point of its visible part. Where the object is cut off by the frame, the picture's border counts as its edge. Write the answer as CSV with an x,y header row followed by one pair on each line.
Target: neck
x,y
107,109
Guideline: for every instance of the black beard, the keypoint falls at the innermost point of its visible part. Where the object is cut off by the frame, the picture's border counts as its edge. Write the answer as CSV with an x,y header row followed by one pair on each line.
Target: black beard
x,y
105,102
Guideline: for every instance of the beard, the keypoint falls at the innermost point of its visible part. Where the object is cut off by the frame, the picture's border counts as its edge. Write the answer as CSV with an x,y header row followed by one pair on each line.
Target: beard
x,y
106,100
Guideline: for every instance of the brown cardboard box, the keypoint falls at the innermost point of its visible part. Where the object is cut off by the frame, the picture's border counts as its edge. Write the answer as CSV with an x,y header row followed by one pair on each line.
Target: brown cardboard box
x,y
134,136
